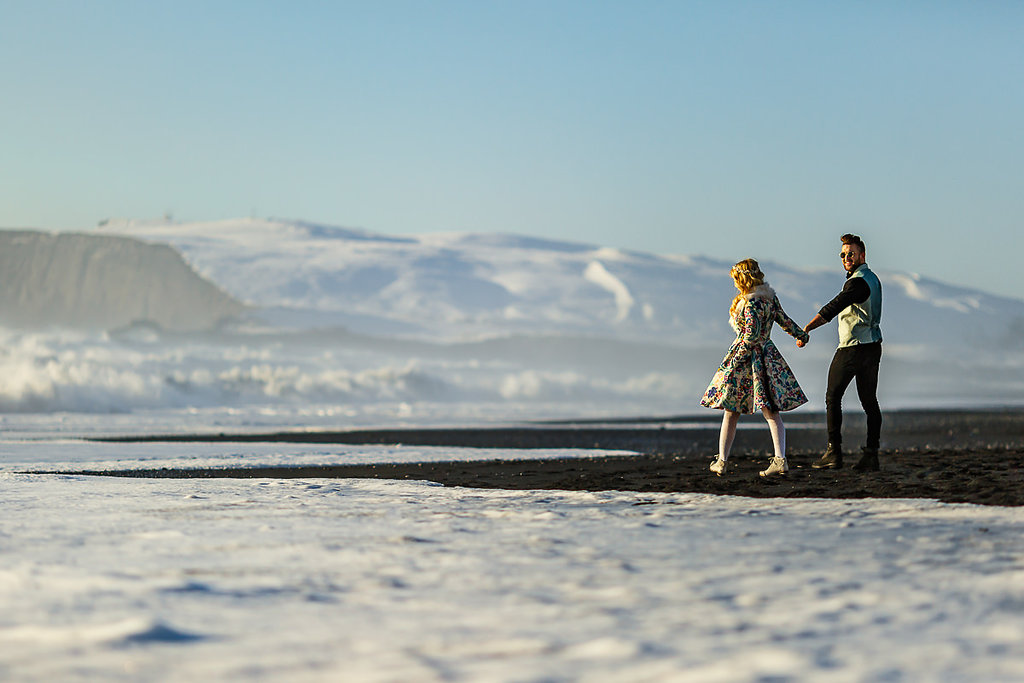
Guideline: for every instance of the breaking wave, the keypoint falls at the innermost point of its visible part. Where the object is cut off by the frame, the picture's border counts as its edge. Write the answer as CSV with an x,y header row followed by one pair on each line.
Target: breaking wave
x,y
78,372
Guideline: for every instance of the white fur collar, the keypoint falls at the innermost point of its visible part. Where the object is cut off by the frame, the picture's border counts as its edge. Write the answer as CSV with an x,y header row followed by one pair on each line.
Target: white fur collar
x,y
760,292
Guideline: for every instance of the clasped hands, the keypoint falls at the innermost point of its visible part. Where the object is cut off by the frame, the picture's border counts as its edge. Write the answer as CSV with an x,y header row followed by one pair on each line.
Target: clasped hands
x,y
817,322
801,343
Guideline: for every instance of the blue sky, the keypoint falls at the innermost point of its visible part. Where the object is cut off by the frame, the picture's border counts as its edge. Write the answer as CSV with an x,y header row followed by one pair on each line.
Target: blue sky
x,y
728,129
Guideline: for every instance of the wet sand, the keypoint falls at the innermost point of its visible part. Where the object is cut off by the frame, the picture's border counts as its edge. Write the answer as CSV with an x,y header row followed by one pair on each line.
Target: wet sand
x,y
951,456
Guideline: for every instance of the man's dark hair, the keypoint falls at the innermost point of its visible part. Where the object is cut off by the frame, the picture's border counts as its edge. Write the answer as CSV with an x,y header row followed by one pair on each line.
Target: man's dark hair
x,y
855,241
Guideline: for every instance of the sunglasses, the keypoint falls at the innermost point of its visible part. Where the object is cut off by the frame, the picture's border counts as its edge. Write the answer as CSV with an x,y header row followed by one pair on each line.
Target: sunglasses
x,y
847,255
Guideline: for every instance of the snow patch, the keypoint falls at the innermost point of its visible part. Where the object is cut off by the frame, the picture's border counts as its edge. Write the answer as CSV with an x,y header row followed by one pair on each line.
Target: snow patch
x,y
597,274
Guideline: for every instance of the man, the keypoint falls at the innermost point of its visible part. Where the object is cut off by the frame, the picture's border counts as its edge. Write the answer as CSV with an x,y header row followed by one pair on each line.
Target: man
x,y
859,307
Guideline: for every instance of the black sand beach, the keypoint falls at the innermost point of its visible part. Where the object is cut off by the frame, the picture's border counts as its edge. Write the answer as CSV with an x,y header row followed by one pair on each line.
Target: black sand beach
x,y
951,456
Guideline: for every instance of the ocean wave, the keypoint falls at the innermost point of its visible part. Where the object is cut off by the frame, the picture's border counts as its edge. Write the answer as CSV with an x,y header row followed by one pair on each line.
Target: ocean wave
x,y
92,373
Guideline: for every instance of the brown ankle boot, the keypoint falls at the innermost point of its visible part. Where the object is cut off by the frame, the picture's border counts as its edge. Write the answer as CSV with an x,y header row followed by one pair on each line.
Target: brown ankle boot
x,y
831,459
868,461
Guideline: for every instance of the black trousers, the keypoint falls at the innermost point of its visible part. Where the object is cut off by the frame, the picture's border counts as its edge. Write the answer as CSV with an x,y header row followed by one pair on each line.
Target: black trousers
x,y
859,362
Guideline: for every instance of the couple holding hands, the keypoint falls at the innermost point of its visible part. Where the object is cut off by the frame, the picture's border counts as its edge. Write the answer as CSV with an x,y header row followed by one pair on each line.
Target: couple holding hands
x,y
754,375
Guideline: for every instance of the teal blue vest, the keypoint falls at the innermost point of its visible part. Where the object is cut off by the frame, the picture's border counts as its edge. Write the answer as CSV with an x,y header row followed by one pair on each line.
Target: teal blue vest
x,y
859,323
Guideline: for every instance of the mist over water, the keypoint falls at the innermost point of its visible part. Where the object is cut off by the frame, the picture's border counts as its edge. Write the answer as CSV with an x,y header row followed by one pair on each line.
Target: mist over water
x,y
278,384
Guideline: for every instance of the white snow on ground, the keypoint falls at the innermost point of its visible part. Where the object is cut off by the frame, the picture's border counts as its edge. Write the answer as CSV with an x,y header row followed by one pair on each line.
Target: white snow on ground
x,y
360,580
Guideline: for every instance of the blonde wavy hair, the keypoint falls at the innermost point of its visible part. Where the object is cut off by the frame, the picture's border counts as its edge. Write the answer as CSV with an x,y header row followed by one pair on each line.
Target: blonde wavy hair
x,y
747,276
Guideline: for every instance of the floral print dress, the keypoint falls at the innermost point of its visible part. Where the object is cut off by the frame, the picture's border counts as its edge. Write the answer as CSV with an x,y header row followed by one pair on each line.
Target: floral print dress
x,y
754,375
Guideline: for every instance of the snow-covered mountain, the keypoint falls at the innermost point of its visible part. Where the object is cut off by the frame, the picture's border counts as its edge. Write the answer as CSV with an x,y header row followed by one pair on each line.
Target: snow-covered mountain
x,y
347,327
464,286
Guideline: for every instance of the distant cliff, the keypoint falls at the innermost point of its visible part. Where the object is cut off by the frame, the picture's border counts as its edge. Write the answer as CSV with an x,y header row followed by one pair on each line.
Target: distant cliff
x,y
102,282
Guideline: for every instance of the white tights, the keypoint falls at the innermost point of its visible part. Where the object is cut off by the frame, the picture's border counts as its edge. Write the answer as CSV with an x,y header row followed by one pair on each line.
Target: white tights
x,y
775,426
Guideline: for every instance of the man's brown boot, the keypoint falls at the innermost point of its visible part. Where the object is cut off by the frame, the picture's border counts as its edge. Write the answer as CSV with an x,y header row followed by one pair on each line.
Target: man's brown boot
x,y
832,459
868,461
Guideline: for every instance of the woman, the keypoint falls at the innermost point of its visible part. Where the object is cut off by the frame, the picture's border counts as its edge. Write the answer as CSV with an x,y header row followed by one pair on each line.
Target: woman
x,y
754,375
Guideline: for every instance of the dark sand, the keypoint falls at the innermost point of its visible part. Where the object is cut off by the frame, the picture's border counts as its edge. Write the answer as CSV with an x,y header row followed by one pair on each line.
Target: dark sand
x,y
952,456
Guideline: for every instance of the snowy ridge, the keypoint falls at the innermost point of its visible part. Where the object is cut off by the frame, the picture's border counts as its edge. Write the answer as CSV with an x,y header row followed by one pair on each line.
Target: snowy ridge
x,y
458,286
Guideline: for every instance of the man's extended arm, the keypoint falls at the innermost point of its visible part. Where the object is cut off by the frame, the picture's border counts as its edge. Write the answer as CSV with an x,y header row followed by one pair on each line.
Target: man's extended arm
x,y
855,291
816,322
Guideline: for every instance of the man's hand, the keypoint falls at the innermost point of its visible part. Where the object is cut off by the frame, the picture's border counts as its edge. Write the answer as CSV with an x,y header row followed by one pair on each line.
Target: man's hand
x,y
800,343
815,323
